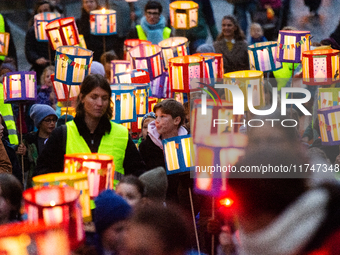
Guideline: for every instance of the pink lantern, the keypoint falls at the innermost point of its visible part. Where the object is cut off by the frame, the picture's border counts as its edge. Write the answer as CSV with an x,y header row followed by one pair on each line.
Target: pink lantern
x,y
65,92
103,22
119,66
218,62
129,44
133,76
62,32
40,22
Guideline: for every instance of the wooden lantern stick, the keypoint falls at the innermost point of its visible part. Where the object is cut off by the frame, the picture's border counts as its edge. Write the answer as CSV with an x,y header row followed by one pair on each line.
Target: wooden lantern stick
x,y
67,102
193,218
22,156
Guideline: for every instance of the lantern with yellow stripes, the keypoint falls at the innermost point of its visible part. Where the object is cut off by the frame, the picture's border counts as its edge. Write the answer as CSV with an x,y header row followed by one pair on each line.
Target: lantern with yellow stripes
x,y
210,71
320,67
130,43
99,168
124,105
160,87
103,22
173,47
214,156
118,66
262,57
151,103
77,181
142,96
328,97
19,238
62,32
56,205
148,57
179,154
245,80
329,123
291,44
82,42
133,76
64,92
183,14
68,110
40,22
72,65
182,70
19,87
218,62
4,43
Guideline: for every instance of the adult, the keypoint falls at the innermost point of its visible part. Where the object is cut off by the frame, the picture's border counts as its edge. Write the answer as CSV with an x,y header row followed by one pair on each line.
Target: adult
x,y
231,43
92,131
95,42
152,25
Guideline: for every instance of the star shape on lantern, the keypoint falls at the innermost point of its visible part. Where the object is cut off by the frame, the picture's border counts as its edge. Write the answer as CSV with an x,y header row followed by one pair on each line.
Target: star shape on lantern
x,y
124,96
118,97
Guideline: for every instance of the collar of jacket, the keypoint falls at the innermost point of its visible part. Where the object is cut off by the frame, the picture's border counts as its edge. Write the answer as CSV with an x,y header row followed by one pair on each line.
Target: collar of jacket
x,y
104,126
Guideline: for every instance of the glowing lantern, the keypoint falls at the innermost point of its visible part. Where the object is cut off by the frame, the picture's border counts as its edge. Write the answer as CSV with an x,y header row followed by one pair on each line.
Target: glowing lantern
x,y
98,167
62,90
103,22
68,110
148,57
20,86
183,14
152,102
173,47
118,66
4,43
160,87
56,205
82,42
133,76
129,44
73,64
246,80
179,154
320,67
218,62
19,238
291,44
328,97
124,106
142,96
220,152
182,70
77,181
62,32
210,71
137,125
202,125
40,22
329,123
262,57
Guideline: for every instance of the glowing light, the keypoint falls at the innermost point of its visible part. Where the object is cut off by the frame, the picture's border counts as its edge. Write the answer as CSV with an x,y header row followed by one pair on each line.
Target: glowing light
x,y
103,10
227,202
52,203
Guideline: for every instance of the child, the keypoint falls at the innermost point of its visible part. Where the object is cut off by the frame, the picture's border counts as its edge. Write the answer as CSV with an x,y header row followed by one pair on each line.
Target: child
x,y
46,92
131,189
147,118
256,33
106,59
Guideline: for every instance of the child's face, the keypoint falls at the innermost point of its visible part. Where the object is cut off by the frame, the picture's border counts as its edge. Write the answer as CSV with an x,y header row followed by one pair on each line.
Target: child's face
x,y
48,81
166,125
130,193
256,32
145,127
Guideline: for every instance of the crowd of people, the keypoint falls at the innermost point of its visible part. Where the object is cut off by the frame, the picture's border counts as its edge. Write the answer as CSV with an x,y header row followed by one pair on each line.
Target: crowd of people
x,y
148,211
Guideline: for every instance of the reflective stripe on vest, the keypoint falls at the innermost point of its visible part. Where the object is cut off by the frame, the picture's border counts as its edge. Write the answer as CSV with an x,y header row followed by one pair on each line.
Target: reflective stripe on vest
x,y
2,30
142,35
111,144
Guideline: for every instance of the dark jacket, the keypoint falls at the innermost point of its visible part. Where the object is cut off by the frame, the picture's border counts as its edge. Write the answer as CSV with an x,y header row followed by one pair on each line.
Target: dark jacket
x,y
51,158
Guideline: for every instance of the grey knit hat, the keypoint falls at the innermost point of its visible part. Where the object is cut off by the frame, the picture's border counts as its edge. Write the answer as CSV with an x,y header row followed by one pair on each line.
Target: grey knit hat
x,y
41,111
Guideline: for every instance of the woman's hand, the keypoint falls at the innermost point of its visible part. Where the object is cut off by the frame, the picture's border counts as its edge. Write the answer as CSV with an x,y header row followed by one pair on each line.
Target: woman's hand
x,y
21,149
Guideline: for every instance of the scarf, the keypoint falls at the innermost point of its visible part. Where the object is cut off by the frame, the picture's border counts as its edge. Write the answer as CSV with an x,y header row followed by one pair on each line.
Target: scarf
x,y
154,32
292,230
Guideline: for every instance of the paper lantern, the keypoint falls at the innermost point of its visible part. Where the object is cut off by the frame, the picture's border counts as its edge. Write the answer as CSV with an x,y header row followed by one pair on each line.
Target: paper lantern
x,y
182,70
246,79
291,45
77,181
62,32
19,238
152,102
130,43
133,76
183,14
40,22
320,67
142,96
328,97
56,205
68,110
173,47
210,71
103,22
218,62
119,66
179,97
202,125
20,86
4,43
179,154
124,105
82,42
160,87
214,156
262,57
329,123
145,56
98,167
73,64
62,90
136,126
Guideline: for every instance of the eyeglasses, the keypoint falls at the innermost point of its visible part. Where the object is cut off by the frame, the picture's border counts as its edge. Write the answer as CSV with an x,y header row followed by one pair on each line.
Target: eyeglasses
x,y
152,13
50,120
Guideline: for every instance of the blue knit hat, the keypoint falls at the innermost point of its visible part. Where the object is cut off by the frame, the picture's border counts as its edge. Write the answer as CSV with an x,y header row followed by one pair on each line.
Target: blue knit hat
x,y
148,115
110,209
41,111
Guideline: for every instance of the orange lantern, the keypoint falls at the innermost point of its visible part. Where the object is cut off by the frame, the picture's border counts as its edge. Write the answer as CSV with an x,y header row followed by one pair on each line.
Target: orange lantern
x,y
4,43
183,14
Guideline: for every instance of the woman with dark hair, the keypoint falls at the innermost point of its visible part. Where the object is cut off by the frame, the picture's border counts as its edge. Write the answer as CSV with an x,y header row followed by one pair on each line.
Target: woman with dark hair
x,y
92,131
231,43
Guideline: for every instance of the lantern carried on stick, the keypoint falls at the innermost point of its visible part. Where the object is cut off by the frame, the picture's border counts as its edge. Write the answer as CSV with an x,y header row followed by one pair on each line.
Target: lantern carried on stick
x,y
64,92
4,43
119,66
129,44
329,123
183,14
133,76
218,62
173,47
124,105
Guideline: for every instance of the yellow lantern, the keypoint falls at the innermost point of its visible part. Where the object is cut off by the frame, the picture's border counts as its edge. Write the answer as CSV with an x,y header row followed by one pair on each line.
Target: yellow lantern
x,y
183,14
4,43
329,124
